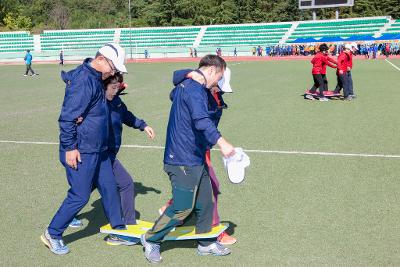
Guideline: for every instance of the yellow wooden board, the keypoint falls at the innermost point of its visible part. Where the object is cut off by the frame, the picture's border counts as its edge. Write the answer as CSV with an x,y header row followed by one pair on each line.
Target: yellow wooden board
x,y
180,232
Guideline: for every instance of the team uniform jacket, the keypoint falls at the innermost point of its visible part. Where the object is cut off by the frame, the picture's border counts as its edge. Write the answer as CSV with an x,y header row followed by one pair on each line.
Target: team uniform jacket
x,y
84,97
331,60
216,103
351,60
120,115
191,127
344,61
320,61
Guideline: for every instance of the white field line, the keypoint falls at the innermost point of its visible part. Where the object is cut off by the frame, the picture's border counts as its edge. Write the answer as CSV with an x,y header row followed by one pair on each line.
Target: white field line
x,y
393,65
294,152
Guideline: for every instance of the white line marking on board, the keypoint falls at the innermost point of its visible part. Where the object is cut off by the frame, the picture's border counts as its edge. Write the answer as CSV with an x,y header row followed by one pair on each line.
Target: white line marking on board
x,y
294,152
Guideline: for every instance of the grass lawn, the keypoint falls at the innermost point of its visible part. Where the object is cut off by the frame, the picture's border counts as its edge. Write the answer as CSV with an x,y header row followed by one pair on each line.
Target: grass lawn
x,y
292,209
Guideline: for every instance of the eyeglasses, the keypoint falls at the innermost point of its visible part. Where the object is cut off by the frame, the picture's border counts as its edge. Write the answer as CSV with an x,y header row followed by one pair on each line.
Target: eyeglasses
x,y
113,69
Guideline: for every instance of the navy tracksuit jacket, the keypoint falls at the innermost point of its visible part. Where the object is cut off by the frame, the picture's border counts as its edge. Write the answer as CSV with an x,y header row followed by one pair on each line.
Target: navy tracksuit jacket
x,y
119,114
191,129
214,111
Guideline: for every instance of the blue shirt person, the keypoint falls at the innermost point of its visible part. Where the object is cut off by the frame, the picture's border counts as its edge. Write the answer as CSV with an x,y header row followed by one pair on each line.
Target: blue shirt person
x,y
28,63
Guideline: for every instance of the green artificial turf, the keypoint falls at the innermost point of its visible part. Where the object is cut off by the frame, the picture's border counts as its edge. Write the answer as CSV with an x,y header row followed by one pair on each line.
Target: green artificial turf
x,y
291,210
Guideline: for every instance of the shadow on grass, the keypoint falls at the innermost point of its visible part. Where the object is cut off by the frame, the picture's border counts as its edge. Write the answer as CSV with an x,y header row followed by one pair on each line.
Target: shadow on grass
x,y
143,190
97,219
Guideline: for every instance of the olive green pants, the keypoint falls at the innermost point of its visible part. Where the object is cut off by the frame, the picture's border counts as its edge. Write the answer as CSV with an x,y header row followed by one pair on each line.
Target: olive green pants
x,y
191,191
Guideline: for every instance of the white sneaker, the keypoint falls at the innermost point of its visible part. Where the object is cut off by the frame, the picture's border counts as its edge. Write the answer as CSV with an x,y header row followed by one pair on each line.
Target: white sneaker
x,y
323,99
55,245
151,250
216,249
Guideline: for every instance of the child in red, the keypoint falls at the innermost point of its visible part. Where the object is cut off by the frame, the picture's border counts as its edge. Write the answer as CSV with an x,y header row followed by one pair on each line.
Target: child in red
x,y
345,64
320,61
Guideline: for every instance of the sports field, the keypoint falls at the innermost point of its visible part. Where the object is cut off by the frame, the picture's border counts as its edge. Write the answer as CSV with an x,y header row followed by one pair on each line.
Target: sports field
x,y
293,209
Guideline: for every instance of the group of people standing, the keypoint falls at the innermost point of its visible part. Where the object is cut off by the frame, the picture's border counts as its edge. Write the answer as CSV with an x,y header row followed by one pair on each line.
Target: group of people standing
x,y
90,124
369,49
28,62
372,51
192,52
343,66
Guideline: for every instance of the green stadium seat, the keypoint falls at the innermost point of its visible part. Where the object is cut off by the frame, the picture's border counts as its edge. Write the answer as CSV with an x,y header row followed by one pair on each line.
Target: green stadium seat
x,y
15,42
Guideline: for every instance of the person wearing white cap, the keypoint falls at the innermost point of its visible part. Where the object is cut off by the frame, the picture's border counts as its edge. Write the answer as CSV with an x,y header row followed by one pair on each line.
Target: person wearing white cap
x,y
116,54
83,146
354,48
343,81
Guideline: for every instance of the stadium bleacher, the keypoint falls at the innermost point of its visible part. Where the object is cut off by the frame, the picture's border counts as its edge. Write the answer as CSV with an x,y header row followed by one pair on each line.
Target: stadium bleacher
x,y
341,28
248,35
394,28
159,37
75,39
176,41
15,42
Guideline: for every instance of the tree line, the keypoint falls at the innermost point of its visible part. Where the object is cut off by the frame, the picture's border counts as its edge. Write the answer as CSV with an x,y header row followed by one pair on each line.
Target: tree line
x,y
39,15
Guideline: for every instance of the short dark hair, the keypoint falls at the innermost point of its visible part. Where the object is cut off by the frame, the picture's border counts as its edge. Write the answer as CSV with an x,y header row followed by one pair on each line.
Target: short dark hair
x,y
116,78
213,60
323,47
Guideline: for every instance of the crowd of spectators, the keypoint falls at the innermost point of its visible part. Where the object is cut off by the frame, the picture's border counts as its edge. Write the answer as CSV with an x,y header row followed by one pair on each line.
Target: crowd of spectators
x,y
369,50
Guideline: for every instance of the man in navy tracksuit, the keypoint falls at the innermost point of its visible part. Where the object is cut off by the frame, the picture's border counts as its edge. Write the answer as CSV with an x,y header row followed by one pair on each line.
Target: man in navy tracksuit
x,y
83,147
216,105
190,132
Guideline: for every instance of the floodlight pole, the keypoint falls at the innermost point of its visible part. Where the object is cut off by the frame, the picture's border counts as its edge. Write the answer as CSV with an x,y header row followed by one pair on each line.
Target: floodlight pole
x,y
130,28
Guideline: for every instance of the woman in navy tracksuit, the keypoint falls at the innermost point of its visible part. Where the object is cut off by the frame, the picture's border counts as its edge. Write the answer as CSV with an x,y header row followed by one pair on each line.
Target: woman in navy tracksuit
x,y
119,115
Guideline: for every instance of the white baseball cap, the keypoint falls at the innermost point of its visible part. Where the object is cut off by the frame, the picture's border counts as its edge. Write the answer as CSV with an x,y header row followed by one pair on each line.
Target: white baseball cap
x,y
236,164
348,46
224,83
354,45
116,54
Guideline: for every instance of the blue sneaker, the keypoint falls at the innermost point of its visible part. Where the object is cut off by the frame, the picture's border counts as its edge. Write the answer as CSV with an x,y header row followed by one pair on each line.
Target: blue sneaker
x,y
116,240
75,223
151,250
55,245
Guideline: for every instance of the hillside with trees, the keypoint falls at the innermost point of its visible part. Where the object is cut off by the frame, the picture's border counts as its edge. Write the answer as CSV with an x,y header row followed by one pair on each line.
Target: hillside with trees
x,y
39,15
